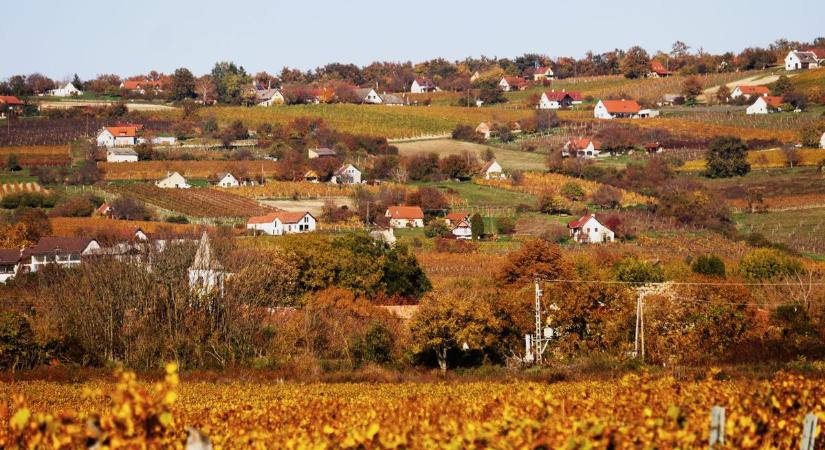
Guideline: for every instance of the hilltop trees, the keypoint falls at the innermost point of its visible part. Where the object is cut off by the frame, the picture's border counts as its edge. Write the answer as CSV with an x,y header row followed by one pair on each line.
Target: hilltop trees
x,y
727,157
636,63
230,82
691,88
183,84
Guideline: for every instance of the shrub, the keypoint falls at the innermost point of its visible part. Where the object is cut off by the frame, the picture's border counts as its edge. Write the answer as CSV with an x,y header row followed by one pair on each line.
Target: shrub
x,y
374,346
710,265
18,347
505,225
726,157
74,207
436,228
572,191
633,270
767,264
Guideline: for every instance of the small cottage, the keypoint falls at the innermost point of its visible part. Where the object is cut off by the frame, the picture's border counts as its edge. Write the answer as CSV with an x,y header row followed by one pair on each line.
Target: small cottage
x,y
368,96
66,90
555,100
588,230
173,180
422,85
119,155
283,222
453,218
749,91
227,180
405,216
508,84
582,148
493,171
119,136
616,109
765,105
796,60
347,174
543,73
462,230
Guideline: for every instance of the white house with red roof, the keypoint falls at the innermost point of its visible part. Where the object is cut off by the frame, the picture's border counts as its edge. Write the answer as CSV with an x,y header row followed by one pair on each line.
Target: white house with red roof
x,y
405,216
582,148
617,109
588,230
422,85
765,105
462,230
283,222
543,73
118,136
508,84
749,91
454,218
9,102
658,70
141,86
555,100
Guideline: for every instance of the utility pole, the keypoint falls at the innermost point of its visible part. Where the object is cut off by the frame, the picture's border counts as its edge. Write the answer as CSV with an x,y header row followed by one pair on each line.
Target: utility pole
x,y
537,337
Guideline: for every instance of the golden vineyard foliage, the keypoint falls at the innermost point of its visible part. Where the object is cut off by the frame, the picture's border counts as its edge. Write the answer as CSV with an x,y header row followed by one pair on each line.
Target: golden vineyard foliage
x,y
73,226
195,202
288,189
36,150
637,411
14,188
154,170
713,125
766,159
540,183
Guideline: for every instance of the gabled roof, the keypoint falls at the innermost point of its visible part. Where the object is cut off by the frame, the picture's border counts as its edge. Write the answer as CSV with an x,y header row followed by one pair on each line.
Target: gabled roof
x,y
311,174
557,96
262,95
391,99
457,216
123,131
405,212
583,220
103,208
362,93
515,81
172,175
621,106
463,223
488,165
205,259
658,68
819,52
773,101
284,216
753,90
581,143
9,256
343,169
222,175
138,84
543,70
806,57
424,82
10,100
51,244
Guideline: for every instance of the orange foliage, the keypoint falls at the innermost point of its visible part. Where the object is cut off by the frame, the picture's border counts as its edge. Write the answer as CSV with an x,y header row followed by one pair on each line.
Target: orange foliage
x,y
72,226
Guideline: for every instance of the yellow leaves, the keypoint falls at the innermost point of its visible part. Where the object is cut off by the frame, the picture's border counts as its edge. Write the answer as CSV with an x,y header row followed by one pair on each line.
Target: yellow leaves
x,y
20,419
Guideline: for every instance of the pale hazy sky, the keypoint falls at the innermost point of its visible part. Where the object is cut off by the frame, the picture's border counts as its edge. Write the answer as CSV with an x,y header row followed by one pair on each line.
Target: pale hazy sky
x,y
59,38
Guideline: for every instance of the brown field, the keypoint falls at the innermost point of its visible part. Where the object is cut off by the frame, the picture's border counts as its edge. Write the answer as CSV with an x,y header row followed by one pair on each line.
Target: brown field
x,y
75,226
195,202
766,159
152,170
294,189
509,159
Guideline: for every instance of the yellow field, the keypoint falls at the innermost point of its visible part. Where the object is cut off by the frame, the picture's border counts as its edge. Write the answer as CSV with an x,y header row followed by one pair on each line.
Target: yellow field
x,y
71,226
153,170
766,159
540,183
298,189
635,412
41,150
14,188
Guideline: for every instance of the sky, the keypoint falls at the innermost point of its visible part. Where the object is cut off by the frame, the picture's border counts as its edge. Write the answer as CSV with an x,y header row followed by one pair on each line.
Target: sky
x,y
90,37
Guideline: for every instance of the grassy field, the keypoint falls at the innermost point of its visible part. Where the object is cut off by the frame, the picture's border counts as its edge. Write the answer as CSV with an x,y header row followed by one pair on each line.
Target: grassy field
x,y
801,229
478,196
781,188
509,159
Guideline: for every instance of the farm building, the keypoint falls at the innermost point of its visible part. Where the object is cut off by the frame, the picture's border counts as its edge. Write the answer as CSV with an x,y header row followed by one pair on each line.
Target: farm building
x,y
313,153
283,222
462,230
118,155
120,136
555,100
484,129
493,171
142,86
454,218
654,147
582,148
347,174
797,60
9,263
616,109
67,90
63,251
405,216
508,84
311,176
542,73
173,180
749,91
9,102
392,100
588,229
105,210
658,70
422,85
367,95
765,105
269,97
159,140
227,180
206,273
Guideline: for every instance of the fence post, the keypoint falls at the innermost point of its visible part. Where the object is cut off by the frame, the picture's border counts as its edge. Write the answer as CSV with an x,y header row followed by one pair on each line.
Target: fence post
x,y
717,426
808,432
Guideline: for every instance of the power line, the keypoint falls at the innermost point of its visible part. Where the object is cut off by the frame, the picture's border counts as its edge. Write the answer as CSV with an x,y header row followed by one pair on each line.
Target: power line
x,y
682,283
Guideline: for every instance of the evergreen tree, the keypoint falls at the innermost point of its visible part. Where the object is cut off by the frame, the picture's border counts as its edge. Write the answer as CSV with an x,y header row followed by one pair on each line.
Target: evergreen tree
x,y
477,226
727,157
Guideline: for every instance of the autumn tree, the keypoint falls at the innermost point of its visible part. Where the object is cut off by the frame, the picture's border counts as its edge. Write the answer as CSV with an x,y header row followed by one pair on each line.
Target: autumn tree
x,y
781,86
727,157
536,258
205,90
428,198
476,226
636,63
183,84
723,94
691,88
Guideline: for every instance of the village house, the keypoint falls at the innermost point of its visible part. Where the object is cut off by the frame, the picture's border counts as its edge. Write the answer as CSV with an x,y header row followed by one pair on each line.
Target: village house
x,y
508,84
269,97
555,100
543,73
493,171
173,180
749,91
392,100
283,222
654,147
105,210
484,129
206,273
313,153
9,263
453,218
311,176
765,105
141,86
462,230
63,251
797,60
588,230
227,180
670,99
119,136
368,96
10,103
121,154
422,85
582,148
658,70
405,216
67,90
616,109
347,174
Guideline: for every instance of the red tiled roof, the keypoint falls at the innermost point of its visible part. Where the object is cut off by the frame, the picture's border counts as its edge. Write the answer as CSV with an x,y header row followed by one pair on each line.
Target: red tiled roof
x,y
659,68
581,143
405,212
457,216
263,219
50,244
621,106
10,100
542,70
516,81
754,90
137,84
103,209
579,223
819,52
9,256
557,96
773,100
123,131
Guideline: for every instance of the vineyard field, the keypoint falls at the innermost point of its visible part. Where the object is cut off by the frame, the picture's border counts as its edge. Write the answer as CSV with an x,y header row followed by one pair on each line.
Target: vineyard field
x,y
295,189
41,131
632,412
766,159
539,183
35,156
14,188
195,202
800,229
509,159
153,170
75,226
